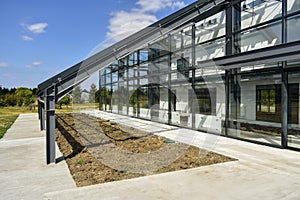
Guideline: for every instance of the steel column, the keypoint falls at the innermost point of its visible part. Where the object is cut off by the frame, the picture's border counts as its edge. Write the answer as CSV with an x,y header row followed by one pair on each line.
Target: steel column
x,y
284,85
228,51
284,107
193,75
42,115
170,93
50,128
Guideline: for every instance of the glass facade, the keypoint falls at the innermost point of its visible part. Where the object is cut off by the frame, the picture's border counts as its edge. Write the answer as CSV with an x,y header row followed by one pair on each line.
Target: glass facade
x,y
169,81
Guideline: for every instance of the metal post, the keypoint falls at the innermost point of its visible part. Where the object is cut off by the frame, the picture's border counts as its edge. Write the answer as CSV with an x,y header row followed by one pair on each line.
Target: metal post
x,y
138,84
229,51
170,93
227,99
42,115
50,122
284,85
193,75
284,107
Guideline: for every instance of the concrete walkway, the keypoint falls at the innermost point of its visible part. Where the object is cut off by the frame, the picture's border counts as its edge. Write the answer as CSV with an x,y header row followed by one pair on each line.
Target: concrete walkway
x,y
261,172
23,170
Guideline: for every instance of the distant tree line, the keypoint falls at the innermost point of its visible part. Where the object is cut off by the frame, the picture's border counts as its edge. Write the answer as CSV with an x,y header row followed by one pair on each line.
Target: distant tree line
x,y
23,96
20,96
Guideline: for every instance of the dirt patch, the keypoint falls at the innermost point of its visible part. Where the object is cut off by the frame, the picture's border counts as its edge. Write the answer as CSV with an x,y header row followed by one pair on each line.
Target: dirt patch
x,y
99,151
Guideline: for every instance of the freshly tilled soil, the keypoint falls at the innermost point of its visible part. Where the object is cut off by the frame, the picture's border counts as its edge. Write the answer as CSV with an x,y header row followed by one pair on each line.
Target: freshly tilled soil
x,y
99,151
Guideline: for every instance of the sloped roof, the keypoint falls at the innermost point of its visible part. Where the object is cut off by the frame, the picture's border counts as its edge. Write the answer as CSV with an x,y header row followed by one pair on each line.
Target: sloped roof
x,y
69,78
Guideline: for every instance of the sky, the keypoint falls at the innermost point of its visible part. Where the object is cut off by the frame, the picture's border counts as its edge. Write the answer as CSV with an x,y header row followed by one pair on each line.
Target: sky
x,y
39,39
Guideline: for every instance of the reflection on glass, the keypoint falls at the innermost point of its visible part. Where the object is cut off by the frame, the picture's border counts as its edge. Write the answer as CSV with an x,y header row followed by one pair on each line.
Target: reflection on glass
x,y
293,5
210,28
187,36
293,27
210,50
293,111
256,12
268,101
255,107
261,37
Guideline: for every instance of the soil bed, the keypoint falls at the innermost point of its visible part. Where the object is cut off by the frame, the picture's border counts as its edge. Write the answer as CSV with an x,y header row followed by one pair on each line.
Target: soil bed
x,y
99,151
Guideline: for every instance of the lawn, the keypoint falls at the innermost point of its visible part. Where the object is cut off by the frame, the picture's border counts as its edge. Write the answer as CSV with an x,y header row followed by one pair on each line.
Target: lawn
x,y
9,114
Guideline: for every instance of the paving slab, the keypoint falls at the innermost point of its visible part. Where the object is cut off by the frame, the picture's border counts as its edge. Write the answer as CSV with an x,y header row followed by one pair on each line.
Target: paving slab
x,y
23,170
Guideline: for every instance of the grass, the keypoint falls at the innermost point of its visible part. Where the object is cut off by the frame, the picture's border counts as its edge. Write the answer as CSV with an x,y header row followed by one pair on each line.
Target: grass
x,y
76,107
8,115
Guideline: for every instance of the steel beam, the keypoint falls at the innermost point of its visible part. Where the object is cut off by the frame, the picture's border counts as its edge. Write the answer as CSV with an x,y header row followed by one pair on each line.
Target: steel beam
x,y
50,125
278,53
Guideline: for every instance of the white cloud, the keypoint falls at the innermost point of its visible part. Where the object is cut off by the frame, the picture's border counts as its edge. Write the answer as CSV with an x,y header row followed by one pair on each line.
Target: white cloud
x,y
34,64
26,38
124,23
157,5
4,64
37,28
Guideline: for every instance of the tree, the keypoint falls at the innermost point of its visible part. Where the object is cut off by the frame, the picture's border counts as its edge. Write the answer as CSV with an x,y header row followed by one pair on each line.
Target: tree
x,y
66,100
25,95
23,92
77,95
93,91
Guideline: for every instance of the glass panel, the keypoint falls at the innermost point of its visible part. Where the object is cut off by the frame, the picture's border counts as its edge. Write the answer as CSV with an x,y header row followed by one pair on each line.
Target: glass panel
x,y
257,11
102,100
255,106
176,43
124,98
102,78
210,50
115,76
132,90
133,59
143,100
115,66
211,27
261,37
132,72
143,55
294,109
163,104
143,69
108,78
293,5
209,104
268,102
115,98
293,26
180,108
187,36
108,98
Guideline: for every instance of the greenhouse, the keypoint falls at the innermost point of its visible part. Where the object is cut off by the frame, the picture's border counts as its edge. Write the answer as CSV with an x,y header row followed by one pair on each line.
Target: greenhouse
x,y
225,67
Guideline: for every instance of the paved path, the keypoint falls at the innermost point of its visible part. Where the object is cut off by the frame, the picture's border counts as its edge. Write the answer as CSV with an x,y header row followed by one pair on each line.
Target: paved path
x,y
23,170
261,172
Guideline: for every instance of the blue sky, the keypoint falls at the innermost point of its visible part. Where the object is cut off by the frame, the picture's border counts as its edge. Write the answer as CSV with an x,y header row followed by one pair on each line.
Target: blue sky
x,y
39,39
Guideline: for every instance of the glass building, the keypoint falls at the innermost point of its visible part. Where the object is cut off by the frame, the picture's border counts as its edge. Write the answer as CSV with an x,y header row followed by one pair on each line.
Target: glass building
x,y
228,67
179,80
